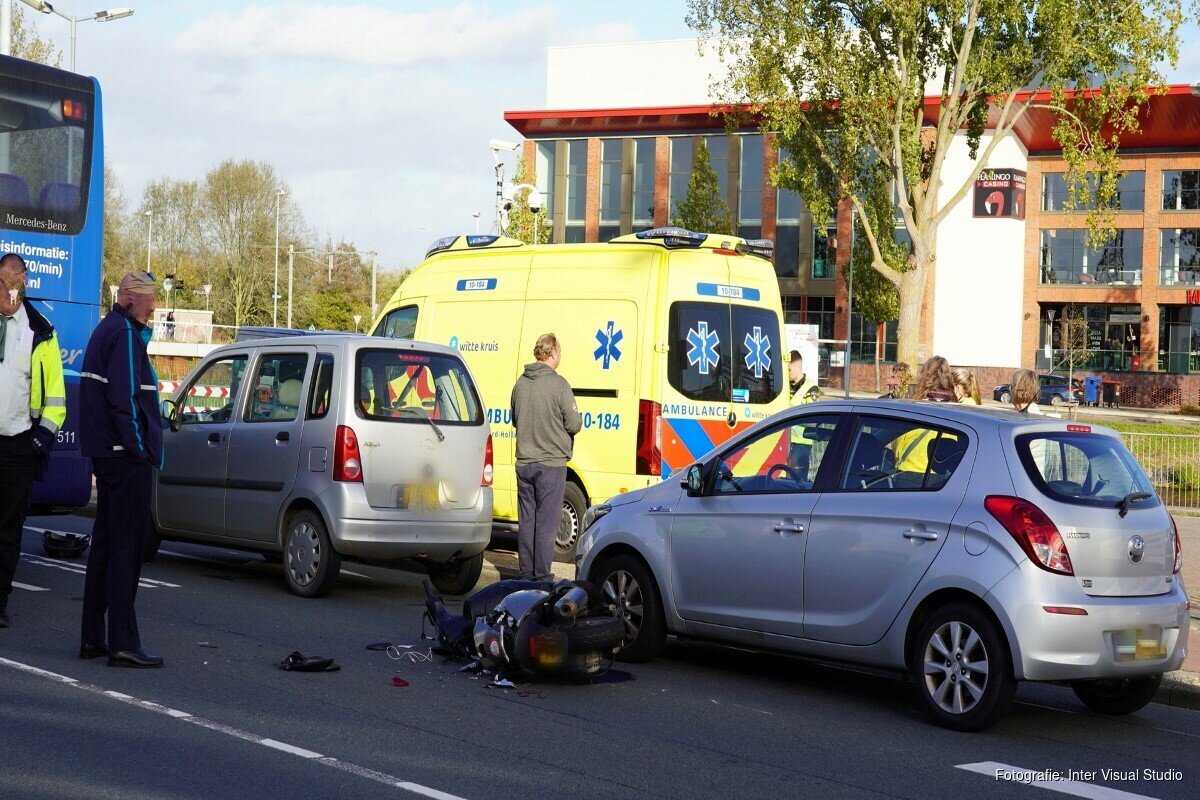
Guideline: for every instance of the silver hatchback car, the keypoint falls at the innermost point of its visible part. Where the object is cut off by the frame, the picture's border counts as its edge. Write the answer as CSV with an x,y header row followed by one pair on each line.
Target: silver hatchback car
x,y
970,548
319,448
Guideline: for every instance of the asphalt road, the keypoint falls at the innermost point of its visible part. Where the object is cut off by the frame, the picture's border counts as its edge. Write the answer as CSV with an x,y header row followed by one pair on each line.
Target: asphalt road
x,y
220,720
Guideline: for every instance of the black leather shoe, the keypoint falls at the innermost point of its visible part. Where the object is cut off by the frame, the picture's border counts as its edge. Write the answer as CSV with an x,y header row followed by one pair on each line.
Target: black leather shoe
x,y
92,650
133,658
3,619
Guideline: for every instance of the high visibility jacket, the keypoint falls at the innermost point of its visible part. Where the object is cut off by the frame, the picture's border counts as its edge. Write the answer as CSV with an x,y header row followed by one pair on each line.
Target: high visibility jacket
x,y
47,391
804,392
118,393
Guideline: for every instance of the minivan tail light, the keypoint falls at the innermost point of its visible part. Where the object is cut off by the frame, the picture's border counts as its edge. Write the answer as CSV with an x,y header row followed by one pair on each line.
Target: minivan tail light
x,y
488,464
347,461
1033,530
649,438
1178,550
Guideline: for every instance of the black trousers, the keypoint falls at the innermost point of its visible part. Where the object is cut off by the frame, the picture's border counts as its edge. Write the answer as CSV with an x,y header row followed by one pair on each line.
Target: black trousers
x,y
114,563
539,511
17,462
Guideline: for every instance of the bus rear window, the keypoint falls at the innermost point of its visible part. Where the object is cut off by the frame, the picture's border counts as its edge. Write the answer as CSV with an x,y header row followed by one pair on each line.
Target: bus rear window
x,y
45,154
1083,468
409,386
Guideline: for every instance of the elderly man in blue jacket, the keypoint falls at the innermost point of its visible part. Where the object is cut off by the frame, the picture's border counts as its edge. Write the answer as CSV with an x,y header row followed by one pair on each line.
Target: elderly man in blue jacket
x,y
121,431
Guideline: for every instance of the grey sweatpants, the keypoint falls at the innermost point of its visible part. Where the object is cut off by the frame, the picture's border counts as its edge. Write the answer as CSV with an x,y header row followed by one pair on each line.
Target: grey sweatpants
x,y
539,509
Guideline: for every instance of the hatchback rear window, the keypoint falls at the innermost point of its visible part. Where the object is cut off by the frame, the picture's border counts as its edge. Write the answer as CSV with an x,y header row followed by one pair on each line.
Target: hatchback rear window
x,y
409,386
1083,468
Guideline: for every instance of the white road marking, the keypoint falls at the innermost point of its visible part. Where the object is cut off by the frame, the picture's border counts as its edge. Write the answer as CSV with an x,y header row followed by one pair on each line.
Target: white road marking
x,y
39,529
1008,772
144,583
29,588
316,758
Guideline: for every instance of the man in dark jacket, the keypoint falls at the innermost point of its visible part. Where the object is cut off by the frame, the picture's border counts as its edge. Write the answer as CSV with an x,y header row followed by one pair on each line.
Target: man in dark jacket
x,y
547,419
121,431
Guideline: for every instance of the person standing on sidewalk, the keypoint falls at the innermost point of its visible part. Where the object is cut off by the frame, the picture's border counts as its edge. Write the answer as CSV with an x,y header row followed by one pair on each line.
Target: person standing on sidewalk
x,y
33,406
121,431
546,420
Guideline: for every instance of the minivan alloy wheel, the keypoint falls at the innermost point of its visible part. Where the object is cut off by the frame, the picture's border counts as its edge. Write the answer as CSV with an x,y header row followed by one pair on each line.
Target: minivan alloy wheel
x,y
956,667
622,589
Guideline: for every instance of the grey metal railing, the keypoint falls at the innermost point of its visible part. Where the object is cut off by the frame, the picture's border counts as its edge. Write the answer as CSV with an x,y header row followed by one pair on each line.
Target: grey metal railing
x,y
1172,463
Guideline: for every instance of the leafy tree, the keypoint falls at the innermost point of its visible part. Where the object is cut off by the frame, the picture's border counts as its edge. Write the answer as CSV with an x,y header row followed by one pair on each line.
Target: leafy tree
x,y
521,220
704,209
843,82
27,44
120,245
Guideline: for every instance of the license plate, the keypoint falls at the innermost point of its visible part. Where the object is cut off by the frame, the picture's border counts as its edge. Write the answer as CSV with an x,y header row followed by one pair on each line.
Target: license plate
x,y
1139,644
421,496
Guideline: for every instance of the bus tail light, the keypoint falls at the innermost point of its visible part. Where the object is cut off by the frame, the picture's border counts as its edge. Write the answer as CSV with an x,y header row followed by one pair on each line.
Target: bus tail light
x,y
649,438
347,462
488,464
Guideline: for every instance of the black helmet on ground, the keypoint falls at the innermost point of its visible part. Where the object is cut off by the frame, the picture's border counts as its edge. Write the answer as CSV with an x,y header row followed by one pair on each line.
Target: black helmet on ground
x,y
65,545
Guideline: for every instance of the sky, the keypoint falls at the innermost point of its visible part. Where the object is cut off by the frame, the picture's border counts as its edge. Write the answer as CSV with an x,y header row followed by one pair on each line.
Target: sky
x,y
377,113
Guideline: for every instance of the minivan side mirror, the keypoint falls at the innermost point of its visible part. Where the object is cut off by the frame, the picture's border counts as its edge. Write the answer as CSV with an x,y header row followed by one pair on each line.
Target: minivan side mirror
x,y
693,480
170,412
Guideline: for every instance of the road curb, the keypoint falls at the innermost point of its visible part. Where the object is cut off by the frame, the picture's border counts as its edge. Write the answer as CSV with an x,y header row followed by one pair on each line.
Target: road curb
x,y
1180,688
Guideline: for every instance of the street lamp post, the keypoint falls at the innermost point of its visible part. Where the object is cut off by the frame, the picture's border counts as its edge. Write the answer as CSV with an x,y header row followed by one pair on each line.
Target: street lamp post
x,y
275,295
291,276
99,16
149,235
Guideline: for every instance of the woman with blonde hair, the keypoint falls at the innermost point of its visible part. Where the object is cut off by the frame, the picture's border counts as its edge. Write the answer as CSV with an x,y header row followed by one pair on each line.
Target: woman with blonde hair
x,y
934,382
966,388
1025,390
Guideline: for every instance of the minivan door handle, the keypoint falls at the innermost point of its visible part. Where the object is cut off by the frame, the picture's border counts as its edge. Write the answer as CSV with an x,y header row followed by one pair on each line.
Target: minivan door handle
x,y
928,536
283,436
214,438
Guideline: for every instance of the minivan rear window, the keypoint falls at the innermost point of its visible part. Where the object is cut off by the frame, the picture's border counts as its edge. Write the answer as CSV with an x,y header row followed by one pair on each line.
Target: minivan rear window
x,y
1083,468
410,386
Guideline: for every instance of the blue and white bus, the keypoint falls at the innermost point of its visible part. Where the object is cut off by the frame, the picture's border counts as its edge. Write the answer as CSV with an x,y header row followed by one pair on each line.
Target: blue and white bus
x,y
52,215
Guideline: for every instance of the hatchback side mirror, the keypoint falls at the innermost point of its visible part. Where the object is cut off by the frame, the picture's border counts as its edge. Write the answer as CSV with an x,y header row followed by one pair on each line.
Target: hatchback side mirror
x,y
693,480
170,412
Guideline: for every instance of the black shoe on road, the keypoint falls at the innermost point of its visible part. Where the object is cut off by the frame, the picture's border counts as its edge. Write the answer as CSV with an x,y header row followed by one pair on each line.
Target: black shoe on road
x,y
133,658
3,618
87,651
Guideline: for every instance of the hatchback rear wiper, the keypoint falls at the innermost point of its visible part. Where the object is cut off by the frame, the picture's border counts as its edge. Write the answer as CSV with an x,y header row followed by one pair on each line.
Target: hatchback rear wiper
x,y
420,412
1132,497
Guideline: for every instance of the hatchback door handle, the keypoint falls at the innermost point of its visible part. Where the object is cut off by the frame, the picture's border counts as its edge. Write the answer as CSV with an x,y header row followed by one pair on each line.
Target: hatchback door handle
x,y
214,438
784,527
283,436
928,536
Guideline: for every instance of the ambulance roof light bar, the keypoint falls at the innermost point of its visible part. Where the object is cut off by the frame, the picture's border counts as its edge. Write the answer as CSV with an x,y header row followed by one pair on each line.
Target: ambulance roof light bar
x,y
674,236
471,242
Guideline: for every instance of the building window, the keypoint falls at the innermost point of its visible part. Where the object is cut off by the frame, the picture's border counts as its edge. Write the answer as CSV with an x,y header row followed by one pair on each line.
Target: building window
x,y
681,171
543,170
643,183
750,180
1179,339
1181,190
1067,258
718,156
610,182
787,250
818,311
1112,339
1179,257
1131,192
576,190
823,256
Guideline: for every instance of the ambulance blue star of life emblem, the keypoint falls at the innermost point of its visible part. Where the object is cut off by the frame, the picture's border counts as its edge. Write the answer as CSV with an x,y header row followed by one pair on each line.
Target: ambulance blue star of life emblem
x,y
608,351
703,350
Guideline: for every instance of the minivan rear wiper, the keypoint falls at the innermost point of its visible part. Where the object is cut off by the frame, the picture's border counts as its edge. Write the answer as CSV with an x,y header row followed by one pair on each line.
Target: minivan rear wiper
x,y
420,412
1132,497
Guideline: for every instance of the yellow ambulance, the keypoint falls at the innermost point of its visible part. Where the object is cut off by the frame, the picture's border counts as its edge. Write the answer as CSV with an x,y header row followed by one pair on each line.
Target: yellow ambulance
x,y
671,340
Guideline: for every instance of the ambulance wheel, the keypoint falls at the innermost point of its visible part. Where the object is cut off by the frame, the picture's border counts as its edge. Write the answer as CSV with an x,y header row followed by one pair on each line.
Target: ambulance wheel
x,y
574,504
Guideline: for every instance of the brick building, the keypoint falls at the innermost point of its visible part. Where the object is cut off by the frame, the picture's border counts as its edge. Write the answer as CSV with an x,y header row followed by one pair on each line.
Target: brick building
x,y
613,152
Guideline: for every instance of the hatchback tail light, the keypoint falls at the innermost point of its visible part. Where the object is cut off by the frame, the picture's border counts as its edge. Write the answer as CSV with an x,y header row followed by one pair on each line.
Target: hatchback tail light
x,y
649,438
1178,550
488,464
347,462
1034,531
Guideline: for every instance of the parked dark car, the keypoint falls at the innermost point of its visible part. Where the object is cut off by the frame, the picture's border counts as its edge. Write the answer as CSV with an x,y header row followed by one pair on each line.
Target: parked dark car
x,y
1054,391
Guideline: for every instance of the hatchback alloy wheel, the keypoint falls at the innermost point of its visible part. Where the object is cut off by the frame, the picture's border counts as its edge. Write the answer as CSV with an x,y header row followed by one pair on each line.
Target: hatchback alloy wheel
x,y
956,667
622,590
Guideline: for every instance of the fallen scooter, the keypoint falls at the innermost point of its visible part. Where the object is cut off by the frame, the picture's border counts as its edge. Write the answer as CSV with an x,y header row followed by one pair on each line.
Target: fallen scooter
x,y
519,627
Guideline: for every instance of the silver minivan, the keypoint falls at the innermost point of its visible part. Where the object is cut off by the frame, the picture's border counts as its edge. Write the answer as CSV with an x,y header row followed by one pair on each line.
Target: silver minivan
x,y
319,448
967,547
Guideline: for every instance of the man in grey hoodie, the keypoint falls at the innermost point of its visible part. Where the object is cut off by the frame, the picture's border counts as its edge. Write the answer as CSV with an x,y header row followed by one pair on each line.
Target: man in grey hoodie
x,y
547,419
